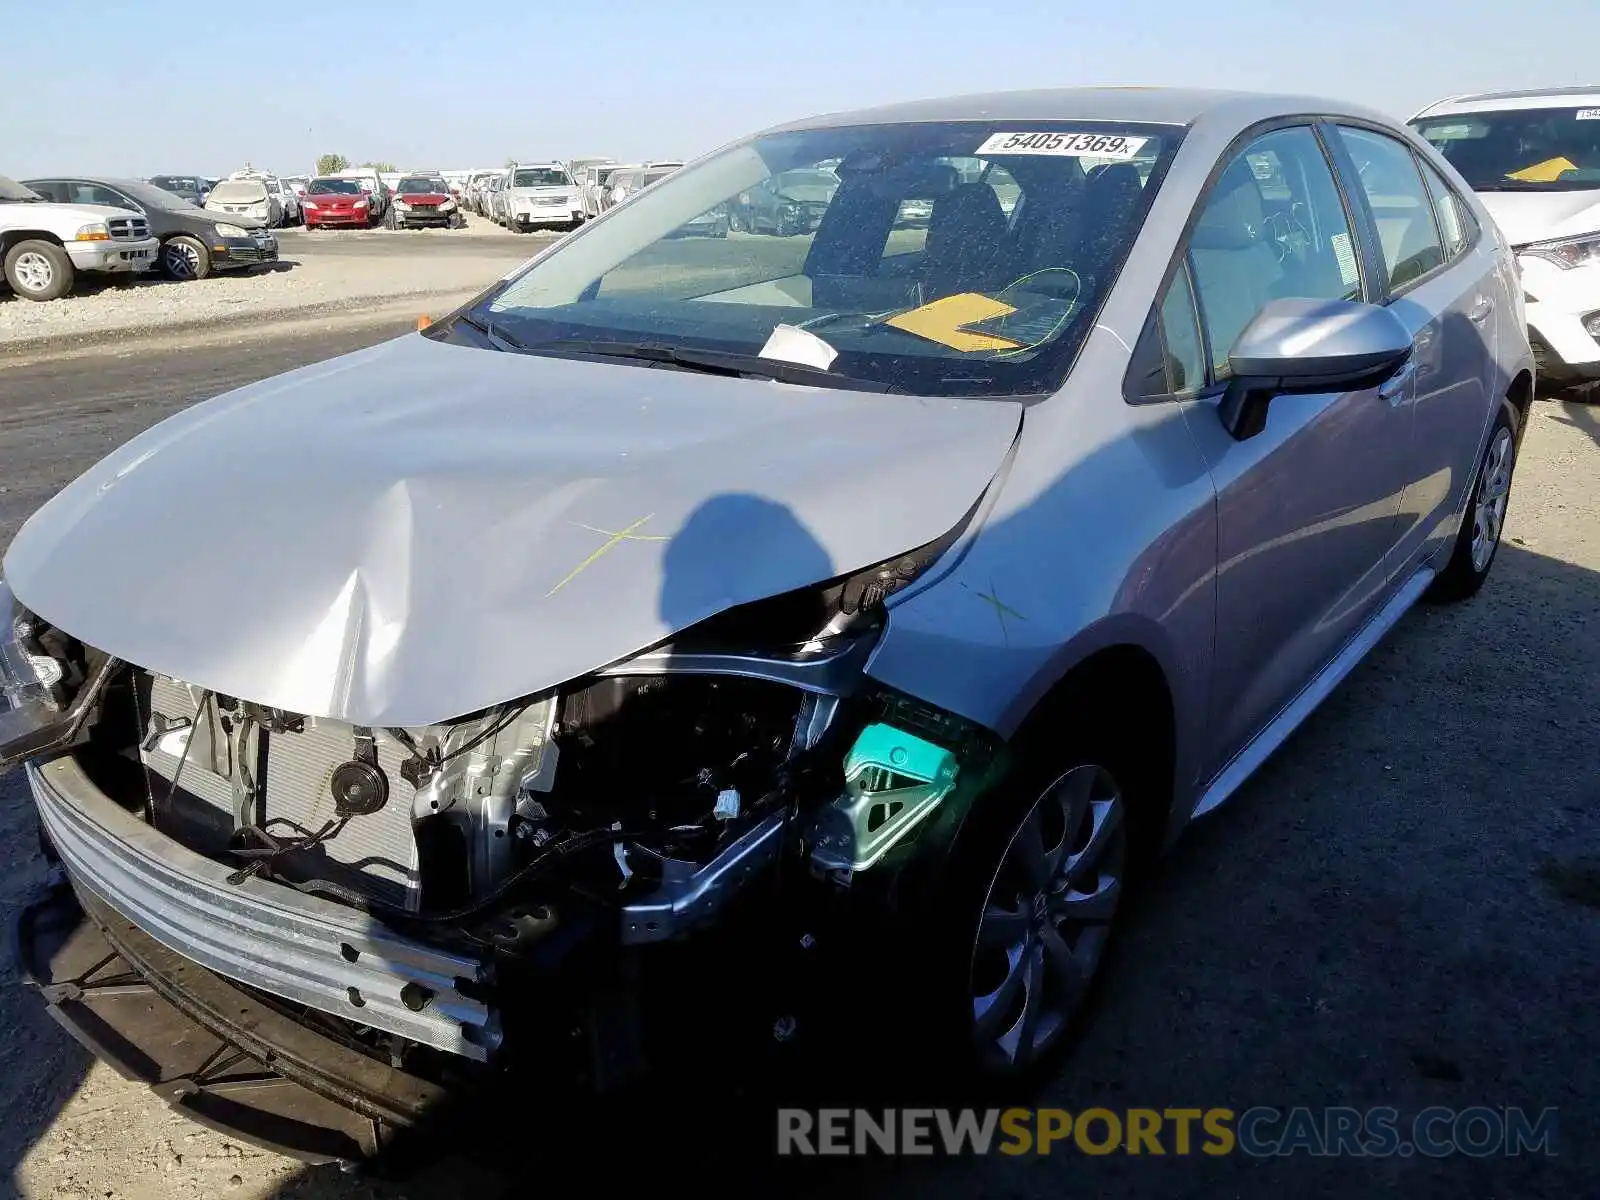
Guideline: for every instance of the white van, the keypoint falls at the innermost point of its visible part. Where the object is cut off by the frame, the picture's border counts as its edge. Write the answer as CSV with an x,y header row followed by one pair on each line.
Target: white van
x,y
1534,160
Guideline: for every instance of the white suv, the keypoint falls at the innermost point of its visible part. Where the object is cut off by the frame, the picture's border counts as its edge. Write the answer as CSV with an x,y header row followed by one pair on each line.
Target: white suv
x,y
1534,159
541,194
43,245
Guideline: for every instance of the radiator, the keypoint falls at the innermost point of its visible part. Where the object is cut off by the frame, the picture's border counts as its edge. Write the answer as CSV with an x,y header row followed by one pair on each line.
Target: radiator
x,y
298,766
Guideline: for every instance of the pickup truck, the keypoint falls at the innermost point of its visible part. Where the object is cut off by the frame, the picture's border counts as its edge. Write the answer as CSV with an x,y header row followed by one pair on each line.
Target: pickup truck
x,y
44,245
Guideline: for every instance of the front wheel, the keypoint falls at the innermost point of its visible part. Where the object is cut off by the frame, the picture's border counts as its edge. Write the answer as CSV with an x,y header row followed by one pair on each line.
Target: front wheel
x,y
38,270
1484,521
184,258
1039,933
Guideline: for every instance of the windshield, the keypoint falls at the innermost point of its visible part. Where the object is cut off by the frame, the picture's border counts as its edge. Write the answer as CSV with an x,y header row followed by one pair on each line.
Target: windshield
x,y
948,258
239,191
416,184
153,197
333,187
541,177
178,183
10,189
652,176
1530,149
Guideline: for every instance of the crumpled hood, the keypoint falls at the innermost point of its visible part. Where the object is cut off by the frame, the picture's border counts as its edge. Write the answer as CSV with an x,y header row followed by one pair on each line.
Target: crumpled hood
x,y
1540,216
416,531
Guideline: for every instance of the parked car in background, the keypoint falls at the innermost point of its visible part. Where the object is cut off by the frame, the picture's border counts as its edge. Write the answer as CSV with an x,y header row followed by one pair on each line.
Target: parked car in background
x,y
494,197
635,179
538,195
950,585
792,202
579,168
476,186
246,198
288,202
422,201
45,245
186,187
194,243
297,185
1533,158
332,201
372,184
713,222
595,184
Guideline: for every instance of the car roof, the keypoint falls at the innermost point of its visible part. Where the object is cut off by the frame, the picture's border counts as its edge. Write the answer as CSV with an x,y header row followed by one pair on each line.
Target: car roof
x,y
1559,97
1135,105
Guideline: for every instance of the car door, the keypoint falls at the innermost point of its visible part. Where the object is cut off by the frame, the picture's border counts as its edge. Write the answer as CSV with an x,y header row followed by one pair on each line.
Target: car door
x,y
1307,508
1443,285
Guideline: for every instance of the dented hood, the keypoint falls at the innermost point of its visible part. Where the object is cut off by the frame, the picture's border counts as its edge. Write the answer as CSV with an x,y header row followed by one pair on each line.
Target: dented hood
x,y
417,531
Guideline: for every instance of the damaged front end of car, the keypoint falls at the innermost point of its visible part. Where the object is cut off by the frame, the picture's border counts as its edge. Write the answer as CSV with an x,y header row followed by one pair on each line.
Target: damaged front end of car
x,y
345,927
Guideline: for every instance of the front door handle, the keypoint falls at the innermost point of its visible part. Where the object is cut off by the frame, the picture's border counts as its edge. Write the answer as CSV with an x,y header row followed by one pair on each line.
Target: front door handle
x,y
1479,312
1393,389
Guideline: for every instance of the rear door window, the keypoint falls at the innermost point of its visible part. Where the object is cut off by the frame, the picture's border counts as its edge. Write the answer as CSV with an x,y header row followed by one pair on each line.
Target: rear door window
x,y
1456,226
1401,206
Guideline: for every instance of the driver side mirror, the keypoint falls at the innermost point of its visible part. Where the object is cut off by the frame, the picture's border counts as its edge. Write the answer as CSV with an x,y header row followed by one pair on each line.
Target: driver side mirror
x,y
1302,346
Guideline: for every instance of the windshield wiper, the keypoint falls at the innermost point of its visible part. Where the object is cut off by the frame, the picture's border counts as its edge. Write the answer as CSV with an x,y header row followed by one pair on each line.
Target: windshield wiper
x,y
710,362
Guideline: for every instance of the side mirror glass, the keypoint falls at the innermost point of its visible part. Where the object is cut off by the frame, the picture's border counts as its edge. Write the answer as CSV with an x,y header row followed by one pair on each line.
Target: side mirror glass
x,y
1299,345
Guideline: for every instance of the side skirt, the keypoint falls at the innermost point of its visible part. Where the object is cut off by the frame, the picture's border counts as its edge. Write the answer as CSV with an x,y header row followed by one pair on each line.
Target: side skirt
x,y
1260,748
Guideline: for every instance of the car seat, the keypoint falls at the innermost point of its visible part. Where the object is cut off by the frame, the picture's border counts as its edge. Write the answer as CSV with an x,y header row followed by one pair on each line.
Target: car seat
x,y
1236,269
966,231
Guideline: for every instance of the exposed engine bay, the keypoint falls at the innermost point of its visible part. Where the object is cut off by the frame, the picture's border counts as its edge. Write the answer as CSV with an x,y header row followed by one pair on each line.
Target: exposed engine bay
x,y
427,820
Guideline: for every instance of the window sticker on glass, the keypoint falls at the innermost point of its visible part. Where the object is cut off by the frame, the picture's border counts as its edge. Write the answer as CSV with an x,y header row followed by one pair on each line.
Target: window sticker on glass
x,y
1115,146
1344,254
1589,114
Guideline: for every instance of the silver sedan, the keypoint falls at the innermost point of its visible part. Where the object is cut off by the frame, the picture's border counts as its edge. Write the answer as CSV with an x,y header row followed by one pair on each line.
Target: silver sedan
x,y
919,572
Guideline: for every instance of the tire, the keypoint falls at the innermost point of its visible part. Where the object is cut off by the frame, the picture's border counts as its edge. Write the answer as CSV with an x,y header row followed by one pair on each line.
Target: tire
x,y
1483,523
988,939
184,258
38,270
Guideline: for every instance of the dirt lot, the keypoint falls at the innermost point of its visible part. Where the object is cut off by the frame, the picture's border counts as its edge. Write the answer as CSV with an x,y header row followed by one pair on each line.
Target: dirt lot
x,y
317,272
1403,908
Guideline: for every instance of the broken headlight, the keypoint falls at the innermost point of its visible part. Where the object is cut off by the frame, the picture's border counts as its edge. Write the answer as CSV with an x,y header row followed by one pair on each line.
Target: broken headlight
x,y
28,676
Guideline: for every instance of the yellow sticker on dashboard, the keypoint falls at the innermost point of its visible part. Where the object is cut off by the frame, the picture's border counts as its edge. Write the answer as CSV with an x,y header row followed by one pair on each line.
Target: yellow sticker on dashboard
x,y
1548,171
941,322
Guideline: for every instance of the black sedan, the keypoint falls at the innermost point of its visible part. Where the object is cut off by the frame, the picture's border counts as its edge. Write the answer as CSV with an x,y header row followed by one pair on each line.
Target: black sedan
x,y
194,242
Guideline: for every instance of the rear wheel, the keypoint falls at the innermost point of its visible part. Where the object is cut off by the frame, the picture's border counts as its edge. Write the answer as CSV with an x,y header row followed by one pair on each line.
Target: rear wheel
x,y
1484,521
184,258
38,270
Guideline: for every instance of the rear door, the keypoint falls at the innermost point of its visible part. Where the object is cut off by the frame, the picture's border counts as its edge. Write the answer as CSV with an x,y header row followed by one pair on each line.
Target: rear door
x,y
1441,280
1308,508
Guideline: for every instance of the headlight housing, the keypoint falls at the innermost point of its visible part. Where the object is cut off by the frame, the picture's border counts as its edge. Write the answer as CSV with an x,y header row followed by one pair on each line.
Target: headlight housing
x,y
447,206
233,231
1567,253
94,232
28,676
401,205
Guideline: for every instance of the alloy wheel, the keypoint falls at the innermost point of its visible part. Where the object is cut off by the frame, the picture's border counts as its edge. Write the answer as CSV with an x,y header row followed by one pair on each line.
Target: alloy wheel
x,y
1494,490
34,271
1047,917
182,260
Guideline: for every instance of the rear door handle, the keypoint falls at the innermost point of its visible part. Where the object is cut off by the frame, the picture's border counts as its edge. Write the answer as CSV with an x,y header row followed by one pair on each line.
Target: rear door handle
x,y
1393,389
1479,312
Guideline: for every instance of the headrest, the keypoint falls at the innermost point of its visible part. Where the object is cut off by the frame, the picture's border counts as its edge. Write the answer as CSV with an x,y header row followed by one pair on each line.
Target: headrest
x,y
1234,218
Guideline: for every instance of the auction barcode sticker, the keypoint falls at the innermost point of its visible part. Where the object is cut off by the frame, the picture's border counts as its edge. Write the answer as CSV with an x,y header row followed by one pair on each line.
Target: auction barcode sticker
x,y
1070,145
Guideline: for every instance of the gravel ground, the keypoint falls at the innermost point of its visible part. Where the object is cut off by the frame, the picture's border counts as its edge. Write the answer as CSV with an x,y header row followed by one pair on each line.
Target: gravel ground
x,y
1402,908
330,269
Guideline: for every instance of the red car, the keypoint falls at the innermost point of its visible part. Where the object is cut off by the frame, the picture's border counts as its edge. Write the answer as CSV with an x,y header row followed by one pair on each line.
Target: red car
x,y
330,202
423,200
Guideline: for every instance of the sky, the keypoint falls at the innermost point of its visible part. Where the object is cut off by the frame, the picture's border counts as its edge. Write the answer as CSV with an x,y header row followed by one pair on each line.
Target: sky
x,y
206,87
